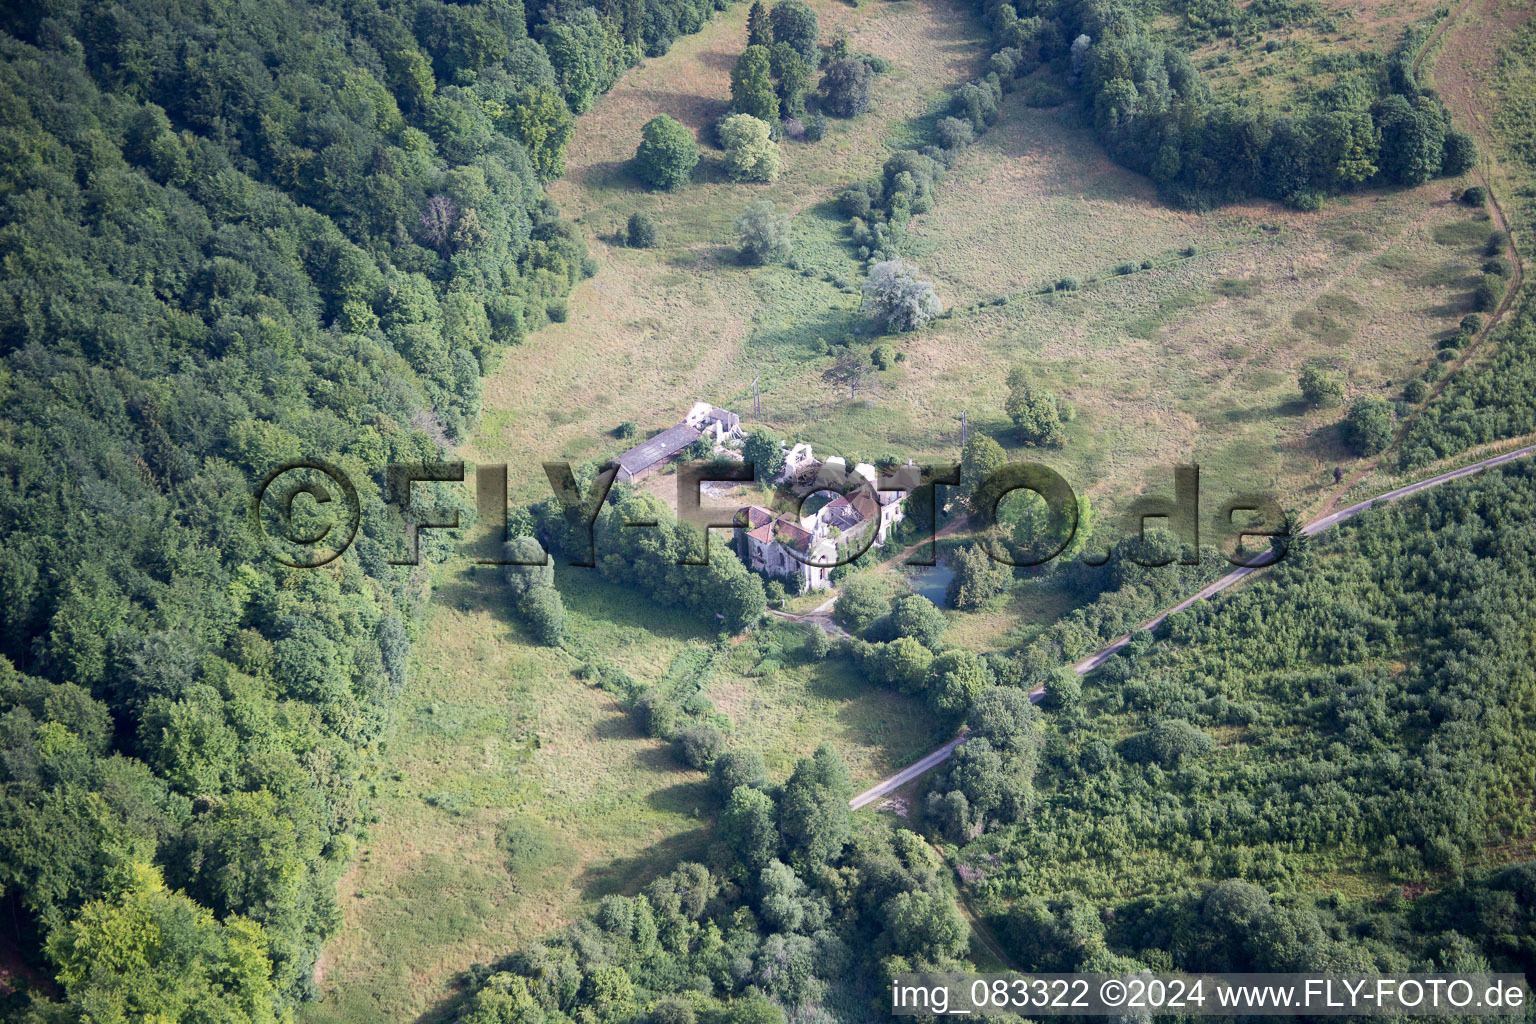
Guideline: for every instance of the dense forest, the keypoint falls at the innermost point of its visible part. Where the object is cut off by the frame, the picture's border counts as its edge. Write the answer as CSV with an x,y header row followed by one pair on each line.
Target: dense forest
x,y
1218,796
234,236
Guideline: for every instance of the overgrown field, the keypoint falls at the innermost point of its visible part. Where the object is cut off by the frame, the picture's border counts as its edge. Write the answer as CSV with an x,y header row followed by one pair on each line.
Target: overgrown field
x,y
1193,359
1283,52
516,794
513,795
655,330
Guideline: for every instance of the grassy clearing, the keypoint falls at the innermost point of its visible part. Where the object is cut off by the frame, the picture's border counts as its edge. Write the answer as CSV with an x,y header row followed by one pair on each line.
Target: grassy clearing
x,y
493,734
1195,358
513,795
657,329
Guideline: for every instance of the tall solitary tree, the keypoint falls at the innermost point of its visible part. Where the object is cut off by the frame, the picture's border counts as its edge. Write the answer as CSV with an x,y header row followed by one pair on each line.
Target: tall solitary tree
x,y
765,452
667,153
979,459
750,152
1368,427
764,233
1034,412
1319,387
845,87
897,298
850,371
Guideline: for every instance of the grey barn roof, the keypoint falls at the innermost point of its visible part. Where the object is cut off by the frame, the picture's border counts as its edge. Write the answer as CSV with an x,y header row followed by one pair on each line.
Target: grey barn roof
x,y
663,446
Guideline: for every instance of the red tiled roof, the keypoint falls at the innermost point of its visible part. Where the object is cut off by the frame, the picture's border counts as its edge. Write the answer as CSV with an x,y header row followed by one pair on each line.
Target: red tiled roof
x,y
765,528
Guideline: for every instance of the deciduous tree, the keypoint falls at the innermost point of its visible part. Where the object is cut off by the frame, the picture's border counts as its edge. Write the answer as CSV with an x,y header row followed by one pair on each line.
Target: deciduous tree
x,y
667,153
750,152
752,89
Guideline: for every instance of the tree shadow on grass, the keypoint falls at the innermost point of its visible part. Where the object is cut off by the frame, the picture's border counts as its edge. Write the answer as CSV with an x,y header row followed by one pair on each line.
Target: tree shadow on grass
x,y
720,60
1454,308
630,874
618,725
827,324
610,174
1263,414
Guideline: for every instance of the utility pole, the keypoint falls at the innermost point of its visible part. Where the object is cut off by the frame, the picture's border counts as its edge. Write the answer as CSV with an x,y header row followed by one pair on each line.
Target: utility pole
x,y
964,430
757,398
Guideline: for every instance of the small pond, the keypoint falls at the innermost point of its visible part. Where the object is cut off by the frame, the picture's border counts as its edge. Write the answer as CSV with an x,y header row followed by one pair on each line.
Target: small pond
x,y
933,583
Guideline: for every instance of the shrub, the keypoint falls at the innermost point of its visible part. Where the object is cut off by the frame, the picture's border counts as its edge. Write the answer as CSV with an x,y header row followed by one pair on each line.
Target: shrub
x,y
1190,250
527,847
667,153
1042,94
1125,268
1459,153
764,233
1065,688
1171,742
1034,411
816,130
1433,372
557,311
543,610
1498,266
640,233
1319,387
854,202
955,133
1416,391
1368,427
1497,240
1475,196
627,431
897,299
737,768
750,154
1448,355
859,604
883,356
589,266
1488,293
977,102
876,63
698,745
845,88
1471,323
908,173
673,1010
1068,284
1412,139
1147,264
